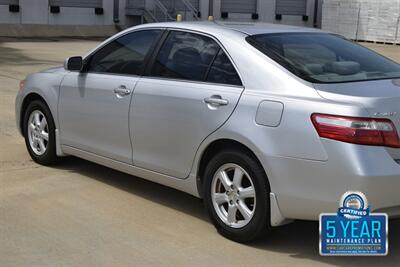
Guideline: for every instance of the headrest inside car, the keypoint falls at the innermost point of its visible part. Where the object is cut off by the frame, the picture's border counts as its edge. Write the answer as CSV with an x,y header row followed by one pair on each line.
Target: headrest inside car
x,y
187,55
343,67
314,69
187,63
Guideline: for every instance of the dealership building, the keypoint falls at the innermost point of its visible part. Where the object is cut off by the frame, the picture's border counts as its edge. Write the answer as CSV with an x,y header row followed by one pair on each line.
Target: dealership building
x,y
102,17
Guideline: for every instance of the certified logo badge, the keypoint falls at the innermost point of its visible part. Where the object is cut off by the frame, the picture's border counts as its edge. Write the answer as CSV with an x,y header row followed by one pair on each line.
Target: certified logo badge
x,y
353,230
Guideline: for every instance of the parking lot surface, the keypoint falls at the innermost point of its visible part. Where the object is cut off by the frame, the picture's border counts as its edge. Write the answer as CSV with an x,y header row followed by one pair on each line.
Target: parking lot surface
x,y
81,214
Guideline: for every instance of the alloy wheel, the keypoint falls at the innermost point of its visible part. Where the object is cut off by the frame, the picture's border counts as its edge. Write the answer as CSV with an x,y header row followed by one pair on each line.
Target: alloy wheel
x,y
233,195
38,132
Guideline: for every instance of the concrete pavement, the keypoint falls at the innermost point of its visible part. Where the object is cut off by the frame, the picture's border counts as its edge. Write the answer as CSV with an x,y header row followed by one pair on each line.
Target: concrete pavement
x,y
82,214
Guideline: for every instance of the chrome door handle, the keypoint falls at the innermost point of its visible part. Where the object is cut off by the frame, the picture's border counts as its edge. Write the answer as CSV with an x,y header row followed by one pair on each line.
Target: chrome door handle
x,y
122,91
216,101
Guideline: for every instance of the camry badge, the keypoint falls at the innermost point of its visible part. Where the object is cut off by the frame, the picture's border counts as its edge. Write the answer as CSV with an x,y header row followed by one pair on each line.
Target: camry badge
x,y
385,114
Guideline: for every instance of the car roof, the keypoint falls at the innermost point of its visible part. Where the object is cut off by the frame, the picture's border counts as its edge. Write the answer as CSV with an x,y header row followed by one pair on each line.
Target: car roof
x,y
264,28
248,28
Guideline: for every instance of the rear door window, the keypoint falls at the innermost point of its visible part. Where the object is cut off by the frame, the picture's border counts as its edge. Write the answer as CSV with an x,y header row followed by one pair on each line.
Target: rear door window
x,y
185,56
222,71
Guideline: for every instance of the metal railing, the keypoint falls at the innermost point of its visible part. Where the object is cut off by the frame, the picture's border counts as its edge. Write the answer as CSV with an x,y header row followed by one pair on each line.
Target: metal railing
x,y
190,10
159,12
163,10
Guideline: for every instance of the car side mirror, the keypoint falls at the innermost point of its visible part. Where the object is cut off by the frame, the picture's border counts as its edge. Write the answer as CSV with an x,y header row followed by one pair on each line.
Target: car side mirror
x,y
73,64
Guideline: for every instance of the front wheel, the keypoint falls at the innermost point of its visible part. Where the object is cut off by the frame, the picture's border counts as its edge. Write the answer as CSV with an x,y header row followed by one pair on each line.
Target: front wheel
x,y
236,192
39,132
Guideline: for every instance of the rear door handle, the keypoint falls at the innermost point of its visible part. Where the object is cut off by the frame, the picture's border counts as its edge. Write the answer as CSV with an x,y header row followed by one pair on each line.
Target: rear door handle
x,y
122,91
216,100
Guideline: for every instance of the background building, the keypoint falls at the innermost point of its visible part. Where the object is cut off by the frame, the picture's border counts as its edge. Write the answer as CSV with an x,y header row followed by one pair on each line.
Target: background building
x,y
363,20
101,17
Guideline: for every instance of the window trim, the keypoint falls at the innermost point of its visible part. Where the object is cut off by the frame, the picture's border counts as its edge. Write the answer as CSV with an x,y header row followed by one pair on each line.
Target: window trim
x,y
87,59
161,41
211,65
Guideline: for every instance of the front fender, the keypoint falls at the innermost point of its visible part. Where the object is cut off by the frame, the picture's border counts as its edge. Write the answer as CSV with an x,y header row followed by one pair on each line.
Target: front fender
x,y
44,85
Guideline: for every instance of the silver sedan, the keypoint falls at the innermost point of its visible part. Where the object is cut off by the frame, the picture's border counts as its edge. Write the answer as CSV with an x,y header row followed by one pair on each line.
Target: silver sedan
x,y
266,123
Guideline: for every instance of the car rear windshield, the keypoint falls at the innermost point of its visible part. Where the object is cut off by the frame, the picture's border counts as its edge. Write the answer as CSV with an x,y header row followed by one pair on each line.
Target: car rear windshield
x,y
324,58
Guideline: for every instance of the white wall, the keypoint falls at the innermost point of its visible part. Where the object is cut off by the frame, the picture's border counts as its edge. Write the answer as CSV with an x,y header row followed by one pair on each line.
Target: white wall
x,y
37,12
122,17
366,20
203,7
8,17
79,16
85,16
266,12
297,20
34,11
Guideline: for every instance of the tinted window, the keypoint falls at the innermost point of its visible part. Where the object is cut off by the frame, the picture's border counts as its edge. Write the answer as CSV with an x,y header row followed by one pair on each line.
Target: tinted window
x,y
185,56
325,58
125,55
222,71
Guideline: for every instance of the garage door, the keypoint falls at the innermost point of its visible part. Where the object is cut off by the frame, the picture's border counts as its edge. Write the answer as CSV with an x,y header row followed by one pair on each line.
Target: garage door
x,y
239,6
8,2
76,3
291,7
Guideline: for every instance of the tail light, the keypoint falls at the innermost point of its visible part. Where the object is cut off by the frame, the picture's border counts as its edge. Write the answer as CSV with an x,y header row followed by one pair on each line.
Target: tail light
x,y
365,131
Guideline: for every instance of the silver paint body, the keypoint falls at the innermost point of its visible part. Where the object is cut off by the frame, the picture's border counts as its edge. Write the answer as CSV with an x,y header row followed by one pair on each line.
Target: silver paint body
x,y
160,131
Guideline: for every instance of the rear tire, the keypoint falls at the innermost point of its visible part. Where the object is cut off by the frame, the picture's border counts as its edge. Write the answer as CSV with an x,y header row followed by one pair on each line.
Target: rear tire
x,y
238,207
39,133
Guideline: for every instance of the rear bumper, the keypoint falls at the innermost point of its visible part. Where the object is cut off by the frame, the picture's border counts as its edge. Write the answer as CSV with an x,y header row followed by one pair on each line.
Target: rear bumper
x,y
306,188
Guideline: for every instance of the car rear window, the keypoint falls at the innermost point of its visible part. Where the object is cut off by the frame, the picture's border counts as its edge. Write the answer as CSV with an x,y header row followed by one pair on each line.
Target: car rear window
x,y
325,58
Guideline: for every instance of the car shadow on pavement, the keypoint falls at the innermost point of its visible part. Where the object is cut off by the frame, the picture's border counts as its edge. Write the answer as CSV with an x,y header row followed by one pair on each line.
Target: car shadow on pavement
x,y
299,239
150,191
16,57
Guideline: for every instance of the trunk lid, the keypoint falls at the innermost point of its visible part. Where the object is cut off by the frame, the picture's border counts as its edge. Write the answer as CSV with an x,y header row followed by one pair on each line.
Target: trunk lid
x,y
381,98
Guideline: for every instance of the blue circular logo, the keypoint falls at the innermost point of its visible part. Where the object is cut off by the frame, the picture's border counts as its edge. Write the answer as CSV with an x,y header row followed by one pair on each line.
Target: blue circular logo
x,y
353,205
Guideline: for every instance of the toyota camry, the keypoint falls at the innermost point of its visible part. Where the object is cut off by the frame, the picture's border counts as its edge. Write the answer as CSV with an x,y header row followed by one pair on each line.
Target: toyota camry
x,y
266,123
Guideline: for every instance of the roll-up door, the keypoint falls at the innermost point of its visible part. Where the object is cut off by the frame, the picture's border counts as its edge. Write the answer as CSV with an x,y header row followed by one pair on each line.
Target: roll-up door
x,y
8,2
239,6
76,3
291,7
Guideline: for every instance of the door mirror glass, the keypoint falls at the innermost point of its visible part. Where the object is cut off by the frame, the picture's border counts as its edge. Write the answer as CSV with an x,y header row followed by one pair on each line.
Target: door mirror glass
x,y
73,64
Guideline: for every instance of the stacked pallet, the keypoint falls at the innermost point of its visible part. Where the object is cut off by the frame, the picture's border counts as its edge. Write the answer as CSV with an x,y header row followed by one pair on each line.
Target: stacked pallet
x,y
366,20
341,16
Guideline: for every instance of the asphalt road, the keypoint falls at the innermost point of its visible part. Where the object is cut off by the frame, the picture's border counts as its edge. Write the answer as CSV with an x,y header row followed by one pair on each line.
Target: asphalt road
x,y
82,214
